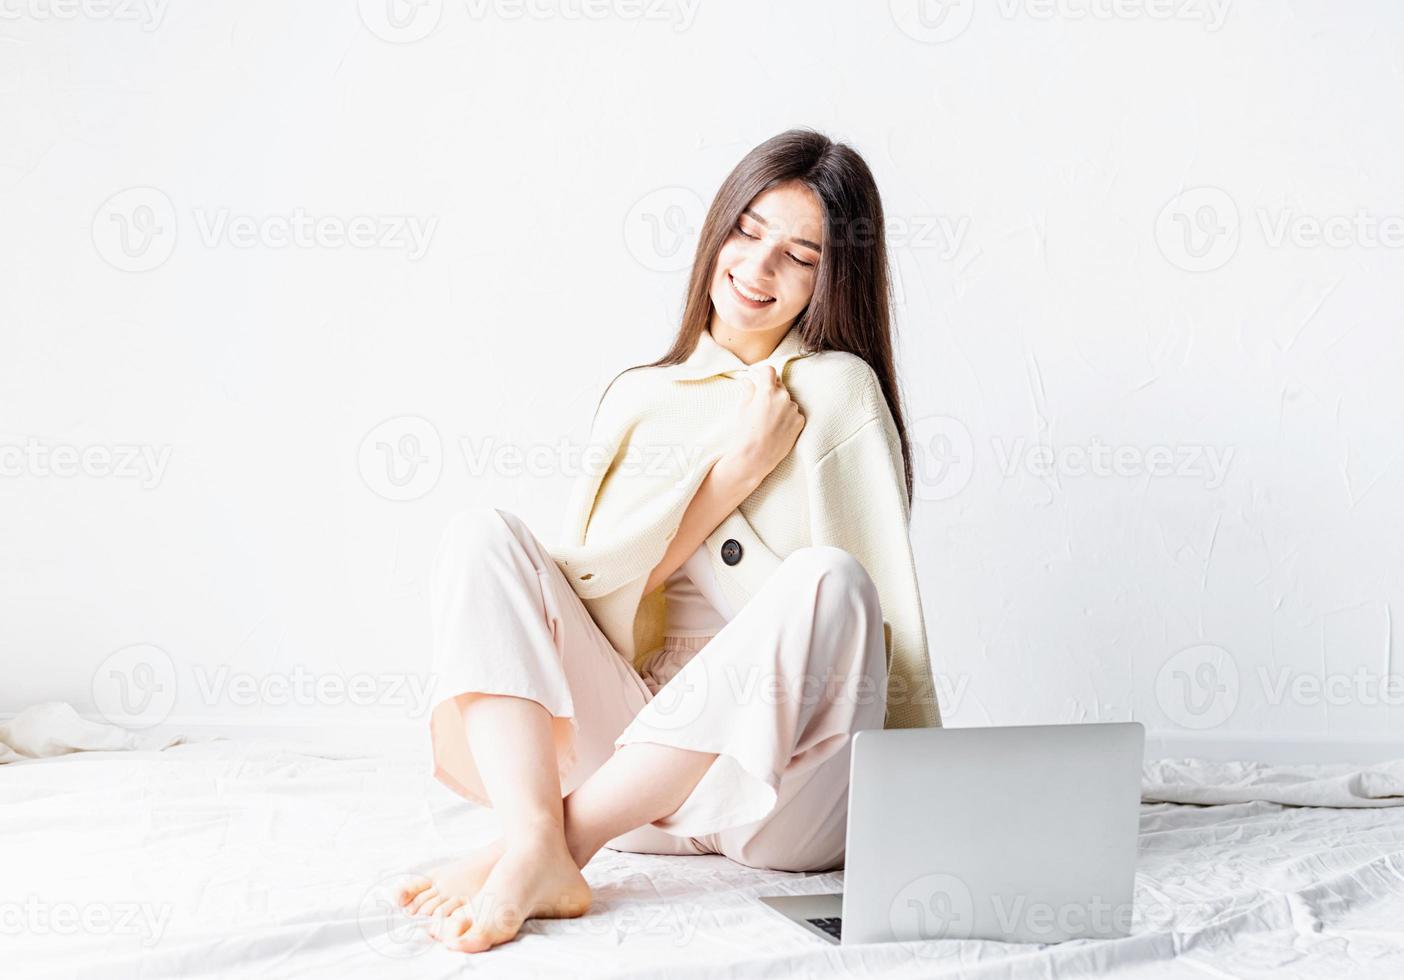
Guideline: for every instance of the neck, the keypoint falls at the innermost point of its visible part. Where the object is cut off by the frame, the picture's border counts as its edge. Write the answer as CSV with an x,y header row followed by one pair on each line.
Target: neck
x,y
749,345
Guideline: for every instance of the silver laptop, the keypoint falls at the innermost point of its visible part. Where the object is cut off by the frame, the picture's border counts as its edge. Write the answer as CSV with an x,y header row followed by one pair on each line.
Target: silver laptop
x,y
1021,834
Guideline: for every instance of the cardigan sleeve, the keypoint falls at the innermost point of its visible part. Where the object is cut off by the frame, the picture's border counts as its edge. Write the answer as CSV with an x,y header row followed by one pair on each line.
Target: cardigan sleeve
x,y
859,503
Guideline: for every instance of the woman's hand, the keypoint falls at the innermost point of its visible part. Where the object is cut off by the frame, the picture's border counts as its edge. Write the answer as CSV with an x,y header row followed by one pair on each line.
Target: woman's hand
x,y
763,432
766,426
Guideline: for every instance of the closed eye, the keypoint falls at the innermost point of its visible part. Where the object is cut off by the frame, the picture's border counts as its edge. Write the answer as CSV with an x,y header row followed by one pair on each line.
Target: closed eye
x,y
792,256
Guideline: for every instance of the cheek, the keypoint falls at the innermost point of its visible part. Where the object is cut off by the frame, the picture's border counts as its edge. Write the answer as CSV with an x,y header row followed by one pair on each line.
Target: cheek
x,y
799,288
719,285
731,253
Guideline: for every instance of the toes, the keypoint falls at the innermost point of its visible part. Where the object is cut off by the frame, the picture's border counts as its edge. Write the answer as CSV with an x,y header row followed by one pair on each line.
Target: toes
x,y
477,939
418,901
449,927
450,906
410,889
490,925
429,907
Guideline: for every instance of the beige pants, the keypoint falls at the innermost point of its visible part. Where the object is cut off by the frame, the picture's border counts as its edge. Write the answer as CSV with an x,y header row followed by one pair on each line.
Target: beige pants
x,y
777,693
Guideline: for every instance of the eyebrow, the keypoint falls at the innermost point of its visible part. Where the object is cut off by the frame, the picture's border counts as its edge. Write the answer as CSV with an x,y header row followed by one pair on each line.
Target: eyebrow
x,y
798,241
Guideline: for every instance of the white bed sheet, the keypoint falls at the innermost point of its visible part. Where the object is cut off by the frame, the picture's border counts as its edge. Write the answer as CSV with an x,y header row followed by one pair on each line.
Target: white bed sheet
x,y
269,858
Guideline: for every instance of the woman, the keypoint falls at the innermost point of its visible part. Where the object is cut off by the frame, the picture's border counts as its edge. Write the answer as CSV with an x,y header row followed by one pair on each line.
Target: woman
x,y
684,672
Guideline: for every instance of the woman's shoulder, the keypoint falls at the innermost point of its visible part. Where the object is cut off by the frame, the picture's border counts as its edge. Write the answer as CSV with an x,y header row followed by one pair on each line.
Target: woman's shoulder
x,y
629,391
839,383
839,395
835,388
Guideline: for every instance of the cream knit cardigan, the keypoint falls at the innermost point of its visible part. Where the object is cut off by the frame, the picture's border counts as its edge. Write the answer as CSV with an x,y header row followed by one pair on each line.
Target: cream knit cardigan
x,y
657,431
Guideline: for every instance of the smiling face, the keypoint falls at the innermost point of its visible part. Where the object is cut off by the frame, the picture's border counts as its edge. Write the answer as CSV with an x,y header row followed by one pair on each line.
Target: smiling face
x,y
767,267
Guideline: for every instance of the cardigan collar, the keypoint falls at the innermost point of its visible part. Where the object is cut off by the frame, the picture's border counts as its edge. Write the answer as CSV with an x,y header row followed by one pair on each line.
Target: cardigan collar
x,y
710,358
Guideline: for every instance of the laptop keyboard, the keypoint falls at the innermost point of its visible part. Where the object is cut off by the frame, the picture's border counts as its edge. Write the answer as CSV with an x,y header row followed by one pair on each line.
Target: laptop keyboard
x,y
832,925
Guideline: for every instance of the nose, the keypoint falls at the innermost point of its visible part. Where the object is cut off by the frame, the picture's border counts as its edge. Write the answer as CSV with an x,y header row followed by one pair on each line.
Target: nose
x,y
758,267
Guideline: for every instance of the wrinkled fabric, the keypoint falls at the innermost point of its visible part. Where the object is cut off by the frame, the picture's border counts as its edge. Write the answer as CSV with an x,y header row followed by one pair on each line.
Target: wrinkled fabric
x,y
1324,784
53,728
264,857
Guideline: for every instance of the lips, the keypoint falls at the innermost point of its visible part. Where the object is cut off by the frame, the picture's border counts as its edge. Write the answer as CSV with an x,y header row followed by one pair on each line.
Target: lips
x,y
748,296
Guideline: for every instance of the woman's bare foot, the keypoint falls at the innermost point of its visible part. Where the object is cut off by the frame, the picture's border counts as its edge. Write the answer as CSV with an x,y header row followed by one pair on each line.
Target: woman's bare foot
x,y
534,878
450,886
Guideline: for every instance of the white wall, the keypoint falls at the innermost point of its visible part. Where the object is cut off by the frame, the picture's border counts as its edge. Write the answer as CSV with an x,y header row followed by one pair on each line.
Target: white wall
x,y
1031,157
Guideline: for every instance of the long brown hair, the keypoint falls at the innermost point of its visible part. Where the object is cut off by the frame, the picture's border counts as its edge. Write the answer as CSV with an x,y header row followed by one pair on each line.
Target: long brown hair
x,y
851,306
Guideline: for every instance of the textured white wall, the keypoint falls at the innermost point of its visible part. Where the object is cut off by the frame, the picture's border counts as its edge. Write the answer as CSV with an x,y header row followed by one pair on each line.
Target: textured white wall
x,y
1149,260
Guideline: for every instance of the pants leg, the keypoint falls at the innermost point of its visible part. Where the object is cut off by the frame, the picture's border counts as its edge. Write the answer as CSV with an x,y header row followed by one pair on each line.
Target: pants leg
x,y
506,621
777,694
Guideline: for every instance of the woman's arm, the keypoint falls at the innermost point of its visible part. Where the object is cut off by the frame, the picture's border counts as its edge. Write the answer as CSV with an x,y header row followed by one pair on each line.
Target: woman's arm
x,y
727,484
765,428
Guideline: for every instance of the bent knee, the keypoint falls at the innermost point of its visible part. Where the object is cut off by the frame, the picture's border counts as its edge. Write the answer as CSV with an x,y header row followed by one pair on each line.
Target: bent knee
x,y
482,522
833,564
471,533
